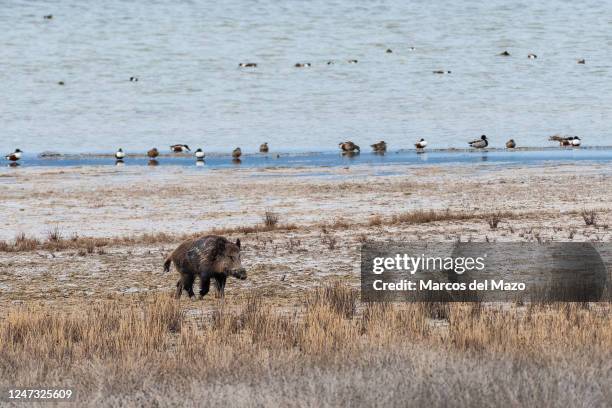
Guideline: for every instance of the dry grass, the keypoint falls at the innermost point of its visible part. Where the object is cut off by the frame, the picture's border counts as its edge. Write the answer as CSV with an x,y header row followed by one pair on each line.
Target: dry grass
x,y
494,219
270,219
329,240
427,216
56,242
589,217
271,222
150,352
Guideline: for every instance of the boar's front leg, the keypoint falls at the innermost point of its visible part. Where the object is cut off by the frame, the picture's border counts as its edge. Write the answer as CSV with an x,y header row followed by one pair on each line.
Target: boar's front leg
x,y
204,284
220,284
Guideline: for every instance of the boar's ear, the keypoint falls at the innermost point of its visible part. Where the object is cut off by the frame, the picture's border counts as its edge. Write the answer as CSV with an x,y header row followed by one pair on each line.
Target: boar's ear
x,y
238,242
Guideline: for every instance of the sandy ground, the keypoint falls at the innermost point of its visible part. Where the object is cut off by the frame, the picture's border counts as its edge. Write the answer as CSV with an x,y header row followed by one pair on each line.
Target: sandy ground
x,y
118,202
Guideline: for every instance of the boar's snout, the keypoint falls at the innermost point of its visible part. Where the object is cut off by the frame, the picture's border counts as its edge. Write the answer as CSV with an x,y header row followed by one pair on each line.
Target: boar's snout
x,y
239,273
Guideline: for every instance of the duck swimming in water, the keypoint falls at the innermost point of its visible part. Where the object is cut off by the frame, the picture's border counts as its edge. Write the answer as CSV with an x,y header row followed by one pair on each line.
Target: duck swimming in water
x,y
576,141
352,61
389,51
421,144
153,153
581,61
199,154
379,147
247,65
441,72
15,156
236,153
302,64
180,148
504,54
263,148
119,154
349,147
510,144
532,56
480,143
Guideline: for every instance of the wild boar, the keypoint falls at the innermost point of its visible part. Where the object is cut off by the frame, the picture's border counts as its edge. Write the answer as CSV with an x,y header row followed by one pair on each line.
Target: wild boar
x,y
209,257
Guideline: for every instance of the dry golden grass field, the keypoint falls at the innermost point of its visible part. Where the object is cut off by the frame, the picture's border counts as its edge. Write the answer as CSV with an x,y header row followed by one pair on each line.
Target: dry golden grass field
x,y
85,303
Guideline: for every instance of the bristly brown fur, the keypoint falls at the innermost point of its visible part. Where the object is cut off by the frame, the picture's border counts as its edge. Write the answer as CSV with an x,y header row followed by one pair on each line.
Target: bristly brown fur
x,y
206,257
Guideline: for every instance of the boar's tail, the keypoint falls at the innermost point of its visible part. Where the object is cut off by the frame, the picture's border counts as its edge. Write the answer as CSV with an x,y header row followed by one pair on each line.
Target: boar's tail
x,y
167,263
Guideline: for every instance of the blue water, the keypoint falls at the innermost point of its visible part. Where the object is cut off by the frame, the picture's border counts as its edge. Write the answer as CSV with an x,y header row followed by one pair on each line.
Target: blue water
x,y
190,89
334,159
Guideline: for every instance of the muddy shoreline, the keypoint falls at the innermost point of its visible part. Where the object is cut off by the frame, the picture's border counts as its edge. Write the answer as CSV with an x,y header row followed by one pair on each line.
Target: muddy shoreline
x,y
330,210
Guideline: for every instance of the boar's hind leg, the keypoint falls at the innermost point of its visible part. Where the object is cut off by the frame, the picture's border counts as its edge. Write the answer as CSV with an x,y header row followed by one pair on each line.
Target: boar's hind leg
x,y
204,285
220,284
186,282
179,288
189,279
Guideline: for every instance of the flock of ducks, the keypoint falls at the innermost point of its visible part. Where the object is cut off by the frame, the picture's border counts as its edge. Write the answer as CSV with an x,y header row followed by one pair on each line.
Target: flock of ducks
x,y
199,154
347,148
506,53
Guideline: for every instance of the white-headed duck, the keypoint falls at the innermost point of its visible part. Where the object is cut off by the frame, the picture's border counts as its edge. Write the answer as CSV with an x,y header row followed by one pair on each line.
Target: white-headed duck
x,y
421,144
119,154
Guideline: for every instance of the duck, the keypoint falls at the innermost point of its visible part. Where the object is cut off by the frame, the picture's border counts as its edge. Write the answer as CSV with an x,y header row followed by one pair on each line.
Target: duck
x,y
480,143
576,141
563,141
15,156
248,65
441,72
302,64
510,144
133,79
199,154
180,148
504,54
581,61
153,153
352,61
331,62
264,148
349,147
412,48
236,153
532,56
389,51
48,16
119,154
379,147
61,83
421,144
